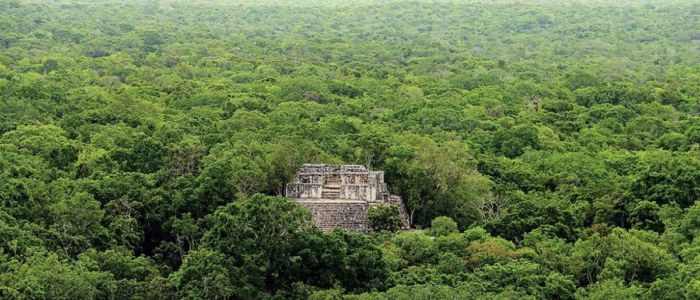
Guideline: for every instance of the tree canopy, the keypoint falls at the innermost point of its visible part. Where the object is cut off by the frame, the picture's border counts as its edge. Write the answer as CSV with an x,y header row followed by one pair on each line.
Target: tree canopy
x,y
544,149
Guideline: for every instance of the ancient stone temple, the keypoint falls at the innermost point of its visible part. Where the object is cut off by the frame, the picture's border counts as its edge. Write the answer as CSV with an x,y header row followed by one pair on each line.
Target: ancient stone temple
x,y
339,195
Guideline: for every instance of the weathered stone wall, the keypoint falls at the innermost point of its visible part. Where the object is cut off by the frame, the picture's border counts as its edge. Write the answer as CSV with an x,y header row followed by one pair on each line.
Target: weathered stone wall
x,y
303,190
358,192
351,215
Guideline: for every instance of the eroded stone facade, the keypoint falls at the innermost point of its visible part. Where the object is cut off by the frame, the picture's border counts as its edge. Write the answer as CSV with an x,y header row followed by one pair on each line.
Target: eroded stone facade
x,y
339,195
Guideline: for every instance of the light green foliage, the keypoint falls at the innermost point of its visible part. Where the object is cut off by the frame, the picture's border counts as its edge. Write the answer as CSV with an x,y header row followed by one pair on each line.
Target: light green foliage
x,y
46,276
611,289
442,226
416,248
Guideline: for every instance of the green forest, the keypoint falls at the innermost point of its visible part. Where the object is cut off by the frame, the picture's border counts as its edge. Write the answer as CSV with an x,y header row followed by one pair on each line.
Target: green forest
x,y
544,149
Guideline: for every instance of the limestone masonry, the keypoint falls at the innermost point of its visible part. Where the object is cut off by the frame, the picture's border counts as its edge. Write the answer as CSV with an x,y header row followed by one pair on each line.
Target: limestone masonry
x,y
339,195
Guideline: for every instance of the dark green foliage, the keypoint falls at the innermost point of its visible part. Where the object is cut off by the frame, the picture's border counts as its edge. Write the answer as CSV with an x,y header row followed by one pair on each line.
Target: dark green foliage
x,y
384,218
258,236
268,245
526,216
513,142
204,274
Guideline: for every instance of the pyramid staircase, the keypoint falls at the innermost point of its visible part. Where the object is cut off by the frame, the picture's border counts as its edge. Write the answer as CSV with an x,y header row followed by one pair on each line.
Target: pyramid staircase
x,y
331,189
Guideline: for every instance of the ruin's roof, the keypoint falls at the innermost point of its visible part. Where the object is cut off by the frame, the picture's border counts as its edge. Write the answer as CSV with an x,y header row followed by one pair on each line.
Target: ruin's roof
x,y
330,168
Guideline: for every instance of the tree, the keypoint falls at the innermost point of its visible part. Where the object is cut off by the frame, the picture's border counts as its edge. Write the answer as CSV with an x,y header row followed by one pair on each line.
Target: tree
x,y
46,141
45,275
49,65
363,266
610,289
416,248
374,142
435,178
132,276
623,255
257,235
645,215
442,226
528,215
526,277
78,217
205,273
284,159
513,142
384,218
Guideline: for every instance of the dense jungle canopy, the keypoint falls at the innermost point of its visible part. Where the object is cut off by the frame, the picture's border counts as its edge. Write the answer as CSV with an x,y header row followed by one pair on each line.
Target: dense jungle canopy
x,y
545,149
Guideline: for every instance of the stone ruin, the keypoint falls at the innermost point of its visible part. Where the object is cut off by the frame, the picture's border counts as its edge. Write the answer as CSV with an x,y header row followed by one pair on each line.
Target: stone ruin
x,y
340,195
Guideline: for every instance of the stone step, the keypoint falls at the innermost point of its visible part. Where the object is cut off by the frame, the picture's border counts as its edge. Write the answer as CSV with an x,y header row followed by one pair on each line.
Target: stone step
x,y
329,194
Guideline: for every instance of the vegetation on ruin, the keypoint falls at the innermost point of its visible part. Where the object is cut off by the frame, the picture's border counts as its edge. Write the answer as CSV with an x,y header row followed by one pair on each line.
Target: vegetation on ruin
x,y
545,149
